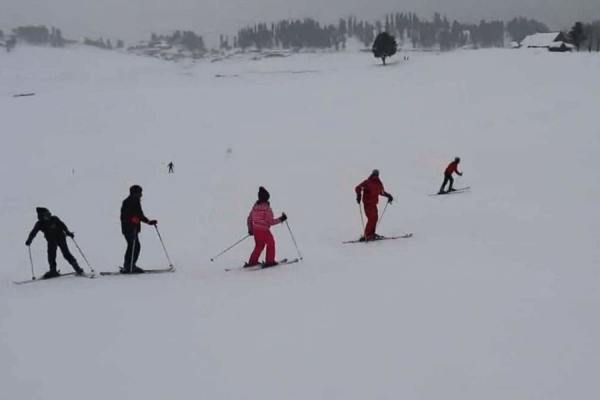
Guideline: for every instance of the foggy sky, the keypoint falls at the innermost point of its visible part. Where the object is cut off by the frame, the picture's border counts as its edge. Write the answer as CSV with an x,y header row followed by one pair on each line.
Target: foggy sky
x,y
134,20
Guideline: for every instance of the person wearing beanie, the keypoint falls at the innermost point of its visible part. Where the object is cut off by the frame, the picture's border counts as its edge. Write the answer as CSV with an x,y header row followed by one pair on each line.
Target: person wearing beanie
x,y
369,191
131,218
56,232
450,169
259,223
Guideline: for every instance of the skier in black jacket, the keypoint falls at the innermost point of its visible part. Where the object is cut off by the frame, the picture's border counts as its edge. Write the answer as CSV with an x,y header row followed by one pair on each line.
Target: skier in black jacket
x,y
56,233
131,218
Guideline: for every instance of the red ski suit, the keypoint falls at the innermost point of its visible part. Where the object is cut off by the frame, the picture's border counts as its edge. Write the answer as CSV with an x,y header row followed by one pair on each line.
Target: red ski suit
x,y
370,189
259,223
451,168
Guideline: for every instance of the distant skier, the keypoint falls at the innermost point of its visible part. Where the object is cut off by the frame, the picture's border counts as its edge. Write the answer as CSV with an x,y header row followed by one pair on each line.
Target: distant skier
x,y
450,169
56,232
131,218
369,191
170,165
259,223
10,44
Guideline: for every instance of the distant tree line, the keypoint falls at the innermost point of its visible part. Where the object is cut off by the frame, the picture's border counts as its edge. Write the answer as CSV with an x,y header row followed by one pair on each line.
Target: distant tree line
x,y
289,34
518,28
186,39
39,35
103,44
586,36
407,28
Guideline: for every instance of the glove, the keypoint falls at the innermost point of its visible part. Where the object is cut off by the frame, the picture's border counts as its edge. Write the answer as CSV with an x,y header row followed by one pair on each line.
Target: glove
x,y
250,232
358,198
71,234
28,243
152,222
390,198
283,217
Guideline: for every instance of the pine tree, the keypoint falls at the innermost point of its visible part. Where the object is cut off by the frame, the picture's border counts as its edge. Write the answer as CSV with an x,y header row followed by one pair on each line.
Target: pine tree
x,y
577,35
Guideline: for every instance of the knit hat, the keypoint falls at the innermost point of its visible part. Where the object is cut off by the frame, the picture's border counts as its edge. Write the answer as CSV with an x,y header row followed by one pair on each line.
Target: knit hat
x,y
42,211
263,195
135,189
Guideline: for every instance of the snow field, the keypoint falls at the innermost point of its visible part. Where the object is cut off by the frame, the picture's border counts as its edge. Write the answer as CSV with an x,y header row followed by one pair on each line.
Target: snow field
x,y
494,297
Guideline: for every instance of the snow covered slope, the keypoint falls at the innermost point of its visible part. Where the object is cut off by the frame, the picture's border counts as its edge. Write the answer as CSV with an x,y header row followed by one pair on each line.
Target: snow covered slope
x,y
495,297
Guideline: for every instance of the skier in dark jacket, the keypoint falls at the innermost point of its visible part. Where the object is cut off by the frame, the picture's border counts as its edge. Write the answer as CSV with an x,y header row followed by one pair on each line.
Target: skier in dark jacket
x,y
369,191
450,169
131,218
56,232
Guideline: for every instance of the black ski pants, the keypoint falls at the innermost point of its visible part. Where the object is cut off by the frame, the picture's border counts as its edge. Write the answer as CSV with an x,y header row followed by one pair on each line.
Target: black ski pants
x,y
64,249
447,178
133,250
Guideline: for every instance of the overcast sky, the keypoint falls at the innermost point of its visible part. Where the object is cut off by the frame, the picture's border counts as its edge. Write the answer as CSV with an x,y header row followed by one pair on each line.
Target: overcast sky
x,y
135,19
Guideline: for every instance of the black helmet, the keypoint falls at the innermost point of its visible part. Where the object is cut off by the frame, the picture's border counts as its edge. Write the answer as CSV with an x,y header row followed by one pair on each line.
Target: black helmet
x,y
135,189
457,160
375,172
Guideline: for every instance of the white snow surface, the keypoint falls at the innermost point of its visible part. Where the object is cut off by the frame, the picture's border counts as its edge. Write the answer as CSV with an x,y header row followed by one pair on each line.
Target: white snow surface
x,y
495,297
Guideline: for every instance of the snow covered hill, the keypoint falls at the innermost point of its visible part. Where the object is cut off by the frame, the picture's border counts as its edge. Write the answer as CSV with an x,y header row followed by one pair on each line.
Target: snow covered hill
x,y
495,297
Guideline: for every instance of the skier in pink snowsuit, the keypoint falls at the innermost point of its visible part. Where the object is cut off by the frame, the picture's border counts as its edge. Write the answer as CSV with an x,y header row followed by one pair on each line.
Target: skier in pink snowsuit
x,y
259,224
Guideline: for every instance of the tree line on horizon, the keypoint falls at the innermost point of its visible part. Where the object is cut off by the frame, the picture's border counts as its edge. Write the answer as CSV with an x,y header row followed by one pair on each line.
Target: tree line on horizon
x,y
39,34
407,28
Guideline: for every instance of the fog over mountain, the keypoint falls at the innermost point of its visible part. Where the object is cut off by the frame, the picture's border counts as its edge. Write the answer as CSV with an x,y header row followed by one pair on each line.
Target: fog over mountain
x,y
135,19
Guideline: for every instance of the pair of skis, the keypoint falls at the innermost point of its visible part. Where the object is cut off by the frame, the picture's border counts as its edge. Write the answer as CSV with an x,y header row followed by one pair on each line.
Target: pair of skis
x,y
84,275
380,238
94,275
260,266
455,191
146,271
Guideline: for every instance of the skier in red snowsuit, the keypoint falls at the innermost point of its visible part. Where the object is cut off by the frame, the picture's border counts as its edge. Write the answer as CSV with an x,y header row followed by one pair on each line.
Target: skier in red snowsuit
x,y
369,191
259,224
450,169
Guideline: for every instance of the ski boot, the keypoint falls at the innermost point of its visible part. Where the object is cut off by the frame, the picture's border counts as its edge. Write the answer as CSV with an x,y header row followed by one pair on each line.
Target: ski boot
x,y
78,271
247,265
51,274
371,238
269,264
134,270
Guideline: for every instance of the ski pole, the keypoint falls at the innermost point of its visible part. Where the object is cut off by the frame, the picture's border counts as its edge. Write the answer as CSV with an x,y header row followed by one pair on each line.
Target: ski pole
x,y
83,255
163,246
230,247
31,263
362,218
293,239
383,213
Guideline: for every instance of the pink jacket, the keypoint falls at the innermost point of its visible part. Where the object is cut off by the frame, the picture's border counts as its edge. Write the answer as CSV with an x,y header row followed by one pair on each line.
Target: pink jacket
x,y
261,218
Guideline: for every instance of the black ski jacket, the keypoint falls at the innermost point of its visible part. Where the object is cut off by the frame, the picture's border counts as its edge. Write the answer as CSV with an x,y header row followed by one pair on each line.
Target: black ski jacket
x,y
54,229
132,215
